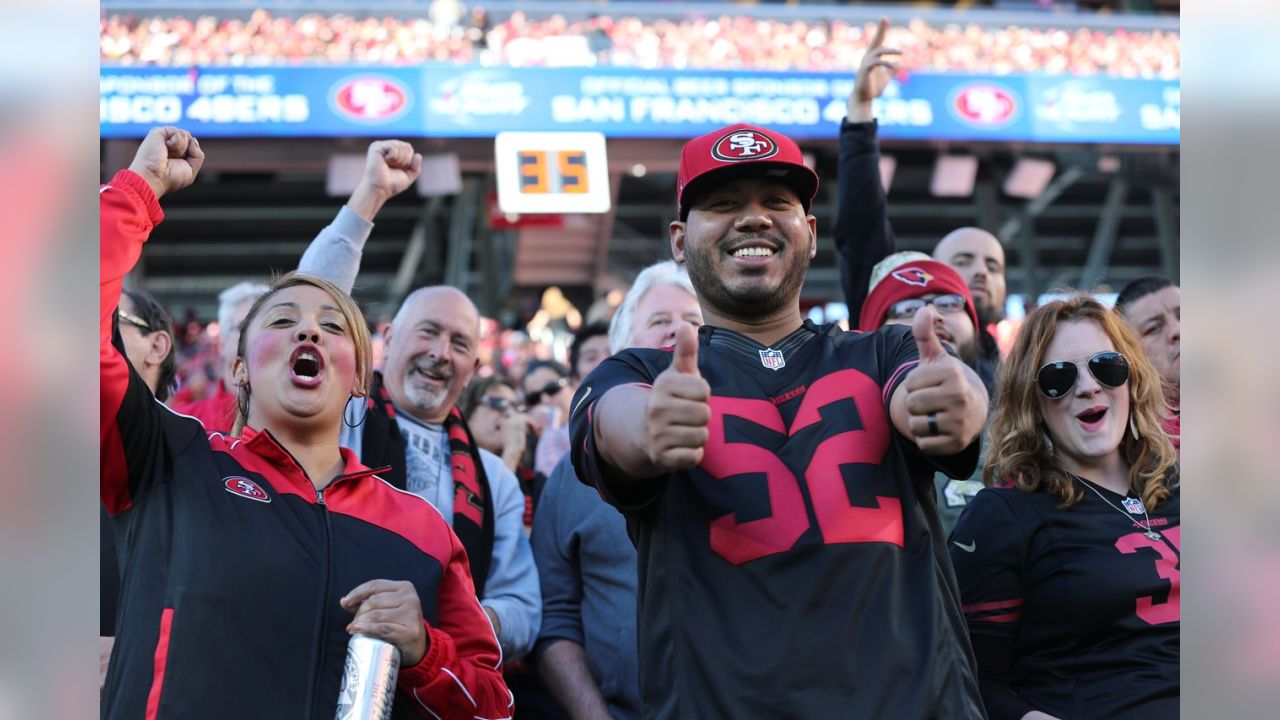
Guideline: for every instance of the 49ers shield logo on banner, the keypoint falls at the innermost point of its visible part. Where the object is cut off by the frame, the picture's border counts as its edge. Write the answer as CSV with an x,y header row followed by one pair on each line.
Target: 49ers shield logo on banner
x,y
744,145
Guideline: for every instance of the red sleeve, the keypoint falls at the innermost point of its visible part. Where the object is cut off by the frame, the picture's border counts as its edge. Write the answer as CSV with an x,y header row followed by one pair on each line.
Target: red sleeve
x,y
461,674
128,212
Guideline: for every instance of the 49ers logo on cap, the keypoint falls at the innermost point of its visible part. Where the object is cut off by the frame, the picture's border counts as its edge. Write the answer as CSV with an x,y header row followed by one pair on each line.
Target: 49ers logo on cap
x,y
744,145
913,276
244,487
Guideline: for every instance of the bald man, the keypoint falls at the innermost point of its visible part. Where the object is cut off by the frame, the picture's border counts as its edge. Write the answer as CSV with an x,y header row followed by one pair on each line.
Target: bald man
x,y
409,424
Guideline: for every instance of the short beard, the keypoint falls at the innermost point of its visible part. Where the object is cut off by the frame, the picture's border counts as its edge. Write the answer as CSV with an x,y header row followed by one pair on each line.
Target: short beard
x,y
988,314
752,303
424,400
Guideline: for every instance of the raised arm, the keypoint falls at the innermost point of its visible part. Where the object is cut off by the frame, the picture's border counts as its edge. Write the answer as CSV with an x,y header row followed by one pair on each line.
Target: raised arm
x,y
862,232
168,160
391,166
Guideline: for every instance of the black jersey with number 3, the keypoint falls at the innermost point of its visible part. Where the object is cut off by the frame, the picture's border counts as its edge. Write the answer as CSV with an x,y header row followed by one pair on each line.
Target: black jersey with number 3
x,y
1074,611
799,571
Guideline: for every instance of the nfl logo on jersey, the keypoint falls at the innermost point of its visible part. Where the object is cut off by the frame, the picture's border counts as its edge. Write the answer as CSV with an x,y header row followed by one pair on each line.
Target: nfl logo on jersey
x,y
772,359
1133,505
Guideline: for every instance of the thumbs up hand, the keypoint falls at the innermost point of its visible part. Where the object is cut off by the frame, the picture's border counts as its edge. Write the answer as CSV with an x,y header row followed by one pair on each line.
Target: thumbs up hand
x,y
678,411
946,404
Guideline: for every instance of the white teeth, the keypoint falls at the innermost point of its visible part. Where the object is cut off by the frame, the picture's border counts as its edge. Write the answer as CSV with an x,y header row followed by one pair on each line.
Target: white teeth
x,y
308,356
753,252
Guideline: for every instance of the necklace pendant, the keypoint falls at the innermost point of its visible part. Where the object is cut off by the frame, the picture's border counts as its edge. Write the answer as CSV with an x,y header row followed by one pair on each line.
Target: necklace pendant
x,y
1152,534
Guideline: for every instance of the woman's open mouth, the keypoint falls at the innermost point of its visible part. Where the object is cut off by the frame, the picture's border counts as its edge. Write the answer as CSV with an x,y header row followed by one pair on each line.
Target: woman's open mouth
x,y
1092,418
306,366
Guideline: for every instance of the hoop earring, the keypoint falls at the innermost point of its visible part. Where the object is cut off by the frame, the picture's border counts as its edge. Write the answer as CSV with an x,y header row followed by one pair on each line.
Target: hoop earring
x,y
363,417
242,401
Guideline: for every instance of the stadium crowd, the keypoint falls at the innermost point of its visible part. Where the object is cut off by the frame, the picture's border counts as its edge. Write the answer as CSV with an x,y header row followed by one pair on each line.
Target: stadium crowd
x,y
616,39
715,508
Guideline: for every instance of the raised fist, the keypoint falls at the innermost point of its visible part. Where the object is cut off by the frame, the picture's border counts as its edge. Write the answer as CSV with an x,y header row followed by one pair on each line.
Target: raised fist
x,y
678,411
390,167
168,159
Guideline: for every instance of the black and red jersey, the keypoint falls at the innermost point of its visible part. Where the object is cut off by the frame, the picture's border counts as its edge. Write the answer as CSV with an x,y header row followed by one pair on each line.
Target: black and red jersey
x,y
233,564
1073,612
799,570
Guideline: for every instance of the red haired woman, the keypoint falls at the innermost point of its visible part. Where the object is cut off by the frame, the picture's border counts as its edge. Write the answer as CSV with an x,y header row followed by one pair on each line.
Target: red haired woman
x,y
1069,569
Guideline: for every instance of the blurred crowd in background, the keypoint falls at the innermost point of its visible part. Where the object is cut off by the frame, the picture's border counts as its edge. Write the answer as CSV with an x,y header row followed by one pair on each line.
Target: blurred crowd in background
x,y
449,32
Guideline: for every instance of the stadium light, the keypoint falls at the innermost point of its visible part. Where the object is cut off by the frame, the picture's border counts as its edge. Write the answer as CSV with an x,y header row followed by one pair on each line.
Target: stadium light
x,y
954,175
1029,178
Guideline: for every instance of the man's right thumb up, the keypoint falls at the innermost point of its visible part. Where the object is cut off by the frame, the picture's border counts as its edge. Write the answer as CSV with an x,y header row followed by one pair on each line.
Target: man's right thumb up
x,y
686,352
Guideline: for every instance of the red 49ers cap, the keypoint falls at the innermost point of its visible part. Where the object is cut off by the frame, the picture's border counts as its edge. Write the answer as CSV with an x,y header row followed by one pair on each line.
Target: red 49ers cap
x,y
742,151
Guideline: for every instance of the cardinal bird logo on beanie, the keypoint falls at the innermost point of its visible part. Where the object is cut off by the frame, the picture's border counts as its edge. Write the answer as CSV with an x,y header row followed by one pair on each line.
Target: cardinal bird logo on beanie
x,y
744,145
913,276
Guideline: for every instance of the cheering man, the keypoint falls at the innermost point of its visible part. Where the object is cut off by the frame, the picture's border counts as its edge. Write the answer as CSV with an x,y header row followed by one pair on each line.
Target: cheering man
x,y
776,474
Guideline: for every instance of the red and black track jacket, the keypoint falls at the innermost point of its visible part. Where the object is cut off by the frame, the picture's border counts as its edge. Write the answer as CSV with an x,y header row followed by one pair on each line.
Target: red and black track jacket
x,y
233,564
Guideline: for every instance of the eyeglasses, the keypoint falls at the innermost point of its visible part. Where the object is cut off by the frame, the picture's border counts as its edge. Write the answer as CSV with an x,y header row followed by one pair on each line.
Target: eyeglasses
x,y
1057,378
907,309
499,404
134,320
548,390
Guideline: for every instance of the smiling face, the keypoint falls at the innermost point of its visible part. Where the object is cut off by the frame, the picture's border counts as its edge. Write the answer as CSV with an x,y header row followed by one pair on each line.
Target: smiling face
x,y
1086,424
299,360
747,245
431,352
660,313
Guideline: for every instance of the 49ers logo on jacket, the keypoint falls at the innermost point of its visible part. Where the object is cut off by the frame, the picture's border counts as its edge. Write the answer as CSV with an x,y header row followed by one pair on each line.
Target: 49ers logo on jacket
x,y
744,145
244,487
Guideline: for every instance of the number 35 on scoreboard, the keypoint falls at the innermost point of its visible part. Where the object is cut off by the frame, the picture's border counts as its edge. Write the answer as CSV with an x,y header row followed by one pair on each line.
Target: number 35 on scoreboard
x,y
552,172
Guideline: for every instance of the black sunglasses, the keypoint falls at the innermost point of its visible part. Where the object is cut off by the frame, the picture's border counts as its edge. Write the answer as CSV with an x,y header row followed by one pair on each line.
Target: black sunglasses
x,y
548,390
1057,378
499,404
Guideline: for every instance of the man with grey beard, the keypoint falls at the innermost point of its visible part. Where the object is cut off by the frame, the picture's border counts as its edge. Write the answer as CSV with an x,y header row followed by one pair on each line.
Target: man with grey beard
x,y
409,424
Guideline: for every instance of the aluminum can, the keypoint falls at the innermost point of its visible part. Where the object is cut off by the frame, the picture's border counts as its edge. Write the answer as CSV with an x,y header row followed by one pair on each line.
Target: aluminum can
x,y
368,680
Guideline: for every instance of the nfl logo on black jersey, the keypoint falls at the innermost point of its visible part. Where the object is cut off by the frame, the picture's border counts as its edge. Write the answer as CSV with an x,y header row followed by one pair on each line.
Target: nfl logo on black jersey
x,y
1134,506
772,359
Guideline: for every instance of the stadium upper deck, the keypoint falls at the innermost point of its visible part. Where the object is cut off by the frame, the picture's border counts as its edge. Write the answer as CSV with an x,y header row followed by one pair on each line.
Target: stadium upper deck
x,y
634,35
